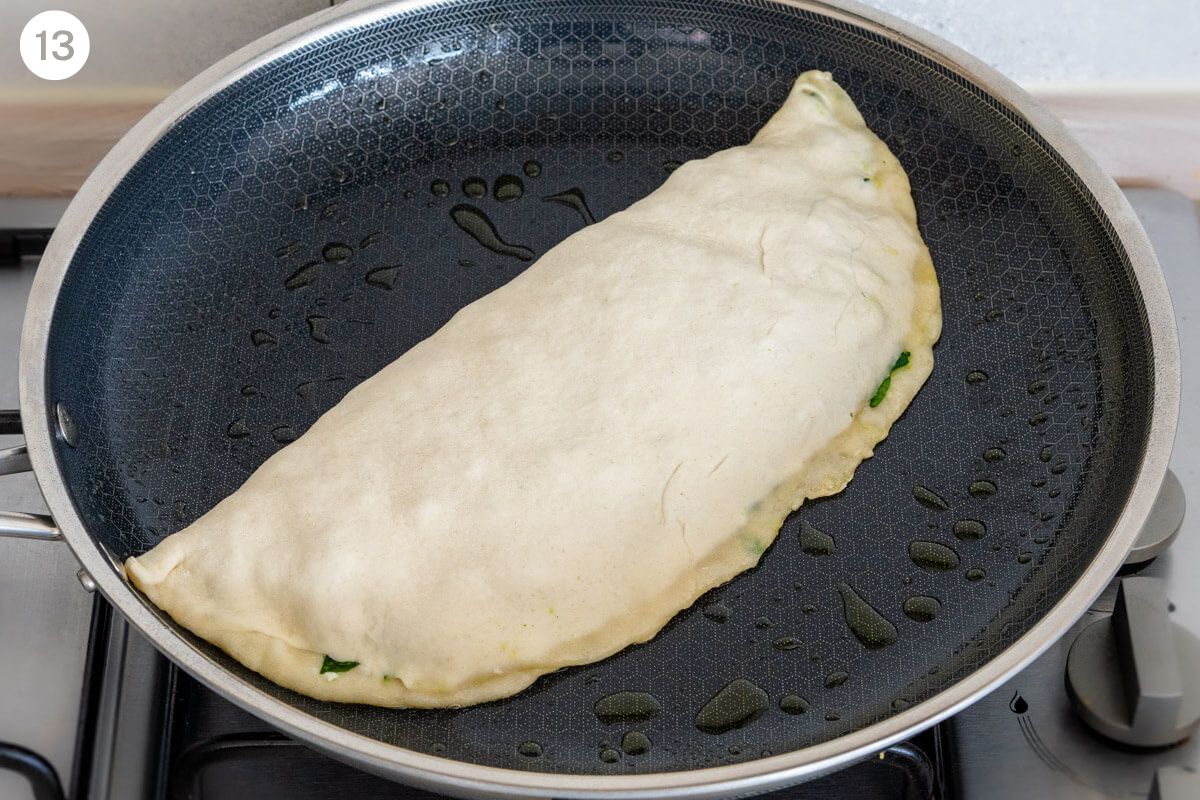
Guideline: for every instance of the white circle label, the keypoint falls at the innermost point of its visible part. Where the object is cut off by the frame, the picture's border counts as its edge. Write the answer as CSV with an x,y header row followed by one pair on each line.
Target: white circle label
x,y
55,45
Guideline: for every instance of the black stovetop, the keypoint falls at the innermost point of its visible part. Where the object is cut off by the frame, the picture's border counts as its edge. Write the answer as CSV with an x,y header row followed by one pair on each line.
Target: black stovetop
x,y
190,744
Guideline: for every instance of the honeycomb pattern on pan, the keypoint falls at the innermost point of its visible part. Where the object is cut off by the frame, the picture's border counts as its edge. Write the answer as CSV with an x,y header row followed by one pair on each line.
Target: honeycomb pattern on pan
x,y
294,234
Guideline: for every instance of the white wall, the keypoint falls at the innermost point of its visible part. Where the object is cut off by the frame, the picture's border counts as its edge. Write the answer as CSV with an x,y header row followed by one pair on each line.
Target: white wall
x,y
1056,42
157,44
144,46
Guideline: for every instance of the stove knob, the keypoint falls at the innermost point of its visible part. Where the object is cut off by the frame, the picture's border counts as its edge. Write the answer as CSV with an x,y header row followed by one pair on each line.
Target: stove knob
x,y
1133,676
1162,525
1175,783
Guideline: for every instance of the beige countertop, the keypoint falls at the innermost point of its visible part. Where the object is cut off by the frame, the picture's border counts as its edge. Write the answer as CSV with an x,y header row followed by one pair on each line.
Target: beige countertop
x,y
1140,136
1125,77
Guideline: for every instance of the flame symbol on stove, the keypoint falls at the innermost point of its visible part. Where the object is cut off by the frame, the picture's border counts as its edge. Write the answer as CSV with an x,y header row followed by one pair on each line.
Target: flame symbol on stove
x,y
1018,705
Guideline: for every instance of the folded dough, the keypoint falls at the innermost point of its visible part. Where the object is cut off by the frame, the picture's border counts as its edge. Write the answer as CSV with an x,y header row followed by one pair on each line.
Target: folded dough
x,y
577,456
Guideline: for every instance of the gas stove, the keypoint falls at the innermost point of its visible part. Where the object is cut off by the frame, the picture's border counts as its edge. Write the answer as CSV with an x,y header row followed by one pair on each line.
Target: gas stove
x,y
90,711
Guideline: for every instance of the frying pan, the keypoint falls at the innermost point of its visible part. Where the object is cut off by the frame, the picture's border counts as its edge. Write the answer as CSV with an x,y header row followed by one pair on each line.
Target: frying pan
x,y
285,225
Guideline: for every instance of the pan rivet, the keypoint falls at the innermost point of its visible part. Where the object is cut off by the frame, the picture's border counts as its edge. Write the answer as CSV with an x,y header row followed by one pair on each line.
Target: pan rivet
x,y
67,431
85,580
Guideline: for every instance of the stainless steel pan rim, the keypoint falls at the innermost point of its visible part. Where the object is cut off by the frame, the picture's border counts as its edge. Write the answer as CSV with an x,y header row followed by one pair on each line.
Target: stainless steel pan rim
x,y
462,778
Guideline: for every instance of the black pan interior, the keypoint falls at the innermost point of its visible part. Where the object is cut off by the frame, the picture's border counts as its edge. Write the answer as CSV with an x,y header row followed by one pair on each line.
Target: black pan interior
x,y
185,358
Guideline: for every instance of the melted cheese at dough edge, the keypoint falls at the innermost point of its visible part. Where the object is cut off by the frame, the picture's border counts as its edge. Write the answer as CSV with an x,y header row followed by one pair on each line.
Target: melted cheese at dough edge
x,y
179,576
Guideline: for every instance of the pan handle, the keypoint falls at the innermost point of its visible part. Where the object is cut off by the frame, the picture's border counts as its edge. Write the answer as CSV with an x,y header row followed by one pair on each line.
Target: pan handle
x,y
12,461
15,525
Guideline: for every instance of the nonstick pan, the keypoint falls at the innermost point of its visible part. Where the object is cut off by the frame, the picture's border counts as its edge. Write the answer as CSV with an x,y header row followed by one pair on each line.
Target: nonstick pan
x,y
300,215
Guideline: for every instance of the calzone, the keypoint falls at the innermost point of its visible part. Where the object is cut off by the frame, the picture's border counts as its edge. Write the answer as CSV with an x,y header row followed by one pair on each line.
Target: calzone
x,y
577,456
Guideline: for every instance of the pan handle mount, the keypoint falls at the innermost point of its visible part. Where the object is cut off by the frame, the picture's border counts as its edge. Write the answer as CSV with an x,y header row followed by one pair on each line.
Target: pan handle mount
x,y
12,461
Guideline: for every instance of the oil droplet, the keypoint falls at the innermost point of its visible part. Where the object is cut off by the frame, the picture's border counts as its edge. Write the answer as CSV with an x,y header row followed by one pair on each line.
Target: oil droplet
x,y
921,608
977,377
671,166
968,529
793,704
532,169
370,239
615,157
993,454
337,252
1053,493
836,679
263,338
734,750
284,434
900,704
762,623
237,429
474,187
815,542
981,488
508,188
1037,387
786,643
1040,540
1059,468
993,315
1024,558
975,574
1017,704
626,707
529,749
501,104
249,391
928,498
476,224
303,276
440,188
287,249
738,704
870,627
635,743
832,717
1040,418
275,313
932,555
809,608
318,328
1045,455
383,277
573,199
1037,483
